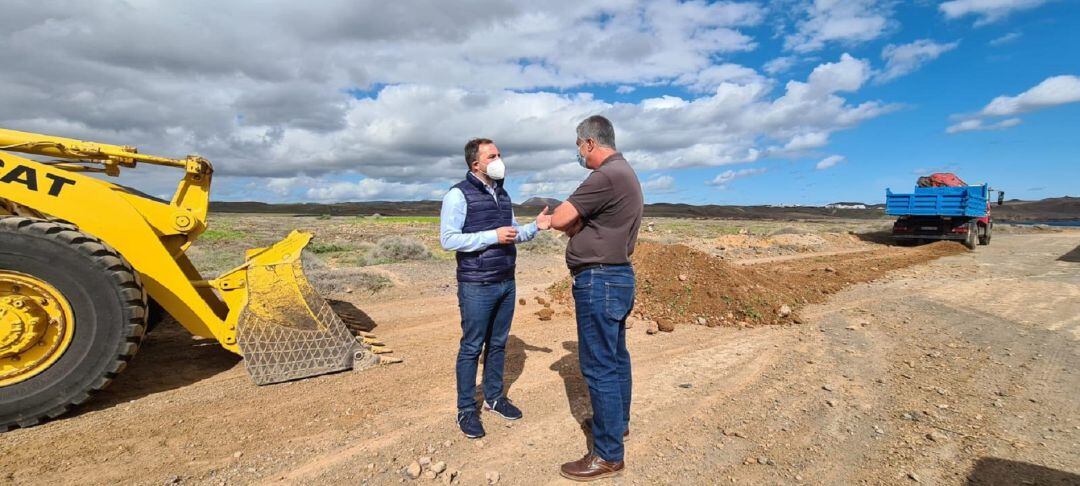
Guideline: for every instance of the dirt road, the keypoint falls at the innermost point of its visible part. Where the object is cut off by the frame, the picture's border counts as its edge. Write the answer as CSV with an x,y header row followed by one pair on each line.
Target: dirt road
x,y
964,370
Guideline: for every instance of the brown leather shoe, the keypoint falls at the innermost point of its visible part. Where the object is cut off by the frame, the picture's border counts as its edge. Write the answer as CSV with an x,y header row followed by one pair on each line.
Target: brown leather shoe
x,y
590,468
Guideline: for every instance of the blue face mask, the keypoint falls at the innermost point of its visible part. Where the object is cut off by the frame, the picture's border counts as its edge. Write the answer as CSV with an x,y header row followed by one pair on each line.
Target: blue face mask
x,y
581,161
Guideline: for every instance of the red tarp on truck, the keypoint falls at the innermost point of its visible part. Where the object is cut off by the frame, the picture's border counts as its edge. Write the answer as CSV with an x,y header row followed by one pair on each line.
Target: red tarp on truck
x,y
941,179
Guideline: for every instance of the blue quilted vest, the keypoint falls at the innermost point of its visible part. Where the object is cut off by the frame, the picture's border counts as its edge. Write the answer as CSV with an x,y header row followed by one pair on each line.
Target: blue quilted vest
x,y
495,263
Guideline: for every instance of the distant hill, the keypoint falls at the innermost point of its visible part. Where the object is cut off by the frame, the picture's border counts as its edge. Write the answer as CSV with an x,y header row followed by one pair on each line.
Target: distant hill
x,y
1055,208
385,208
540,202
758,212
431,208
1062,208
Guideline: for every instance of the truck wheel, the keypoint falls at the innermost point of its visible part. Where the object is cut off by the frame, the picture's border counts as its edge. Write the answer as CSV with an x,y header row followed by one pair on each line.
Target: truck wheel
x,y
72,314
984,237
972,236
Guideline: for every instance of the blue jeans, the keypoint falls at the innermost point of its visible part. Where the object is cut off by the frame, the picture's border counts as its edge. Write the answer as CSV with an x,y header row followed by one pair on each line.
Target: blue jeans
x,y
603,298
486,312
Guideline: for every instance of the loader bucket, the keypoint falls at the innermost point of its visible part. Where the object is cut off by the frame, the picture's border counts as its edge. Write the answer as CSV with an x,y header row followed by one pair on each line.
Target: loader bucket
x,y
285,330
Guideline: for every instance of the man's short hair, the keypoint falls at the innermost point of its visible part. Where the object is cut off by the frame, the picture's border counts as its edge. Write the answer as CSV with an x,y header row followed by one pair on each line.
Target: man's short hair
x,y
472,148
599,129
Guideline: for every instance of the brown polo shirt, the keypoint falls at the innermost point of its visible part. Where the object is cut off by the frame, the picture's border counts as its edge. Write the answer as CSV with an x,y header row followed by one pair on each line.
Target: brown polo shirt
x,y
610,204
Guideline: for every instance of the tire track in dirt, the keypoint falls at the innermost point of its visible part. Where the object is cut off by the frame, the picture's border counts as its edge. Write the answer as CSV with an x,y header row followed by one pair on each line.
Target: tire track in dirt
x,y
654,379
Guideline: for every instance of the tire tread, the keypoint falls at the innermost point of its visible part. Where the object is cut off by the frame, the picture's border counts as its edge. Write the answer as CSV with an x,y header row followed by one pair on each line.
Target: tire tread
x,y
129,288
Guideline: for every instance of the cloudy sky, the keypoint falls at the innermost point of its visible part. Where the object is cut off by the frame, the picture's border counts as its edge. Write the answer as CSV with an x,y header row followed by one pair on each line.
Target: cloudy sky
x,y
726,102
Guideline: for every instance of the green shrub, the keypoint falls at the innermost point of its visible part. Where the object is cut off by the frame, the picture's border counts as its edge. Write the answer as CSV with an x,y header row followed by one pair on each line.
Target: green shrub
x,y
320,248
397,249
545,242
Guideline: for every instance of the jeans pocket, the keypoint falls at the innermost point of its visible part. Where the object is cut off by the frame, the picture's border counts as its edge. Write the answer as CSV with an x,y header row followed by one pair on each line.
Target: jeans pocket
x,y
618,300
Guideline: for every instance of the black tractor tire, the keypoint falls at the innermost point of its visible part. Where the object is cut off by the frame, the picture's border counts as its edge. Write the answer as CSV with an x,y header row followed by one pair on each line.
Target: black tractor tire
x,y
984,236
155,314
109,307
972,236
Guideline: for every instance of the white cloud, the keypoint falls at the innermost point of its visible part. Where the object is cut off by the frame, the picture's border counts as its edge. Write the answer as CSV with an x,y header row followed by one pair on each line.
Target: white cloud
x,y
414,133
779,65
556,189
658,185
280,186
840,22
710,78
829,161
906,58
805,141
848,74
365,99
978,124
665,102
624,89
986,11
1056,90
1005,39
724,178
1052,91
559,181
373,190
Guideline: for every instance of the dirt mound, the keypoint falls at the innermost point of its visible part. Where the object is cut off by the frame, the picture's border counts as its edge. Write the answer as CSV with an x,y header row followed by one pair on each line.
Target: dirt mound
x,y
680,285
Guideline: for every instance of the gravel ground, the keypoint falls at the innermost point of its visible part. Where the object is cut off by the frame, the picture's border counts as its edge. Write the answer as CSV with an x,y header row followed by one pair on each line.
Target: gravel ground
x,y
960,371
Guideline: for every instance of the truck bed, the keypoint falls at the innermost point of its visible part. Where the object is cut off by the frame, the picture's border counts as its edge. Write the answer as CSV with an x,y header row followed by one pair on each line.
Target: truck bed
x,y
964,201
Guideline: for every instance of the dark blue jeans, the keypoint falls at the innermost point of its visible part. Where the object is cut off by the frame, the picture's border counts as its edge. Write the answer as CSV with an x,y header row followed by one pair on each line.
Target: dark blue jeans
x,y
486,312
603,298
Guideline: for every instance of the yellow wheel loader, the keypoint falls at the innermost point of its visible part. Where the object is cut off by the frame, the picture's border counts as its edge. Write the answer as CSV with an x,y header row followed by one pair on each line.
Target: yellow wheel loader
x,y
82,260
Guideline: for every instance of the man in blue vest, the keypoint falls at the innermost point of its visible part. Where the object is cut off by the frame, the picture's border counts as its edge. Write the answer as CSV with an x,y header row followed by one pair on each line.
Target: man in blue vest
x,y
477,221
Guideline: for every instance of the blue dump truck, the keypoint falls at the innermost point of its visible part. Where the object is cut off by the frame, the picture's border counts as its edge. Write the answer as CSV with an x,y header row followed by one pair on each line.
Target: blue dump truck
x,y
943,207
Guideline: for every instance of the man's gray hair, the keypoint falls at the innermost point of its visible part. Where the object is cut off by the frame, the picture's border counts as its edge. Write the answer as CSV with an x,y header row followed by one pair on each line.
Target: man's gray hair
x,y
599,129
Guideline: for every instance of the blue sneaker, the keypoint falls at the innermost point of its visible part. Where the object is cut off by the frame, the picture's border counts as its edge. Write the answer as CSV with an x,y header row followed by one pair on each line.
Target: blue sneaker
x,y
503,408
470,424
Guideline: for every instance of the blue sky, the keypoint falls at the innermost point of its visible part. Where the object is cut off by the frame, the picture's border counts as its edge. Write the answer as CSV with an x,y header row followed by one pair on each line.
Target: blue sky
x,y
1037,159
714,102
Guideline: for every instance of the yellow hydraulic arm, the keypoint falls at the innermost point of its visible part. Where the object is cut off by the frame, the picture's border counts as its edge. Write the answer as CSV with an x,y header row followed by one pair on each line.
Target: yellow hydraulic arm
x,y
151,235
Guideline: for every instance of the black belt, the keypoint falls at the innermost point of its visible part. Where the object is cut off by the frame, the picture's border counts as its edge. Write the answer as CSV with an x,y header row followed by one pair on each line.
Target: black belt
x,y
576,270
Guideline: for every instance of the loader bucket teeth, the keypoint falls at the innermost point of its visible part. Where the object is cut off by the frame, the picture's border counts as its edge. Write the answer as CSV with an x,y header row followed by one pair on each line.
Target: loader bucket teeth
x,y
287,330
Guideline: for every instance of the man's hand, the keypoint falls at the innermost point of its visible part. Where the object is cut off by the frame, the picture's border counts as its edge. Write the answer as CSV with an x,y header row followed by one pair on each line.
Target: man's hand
x,y
507,234
543,220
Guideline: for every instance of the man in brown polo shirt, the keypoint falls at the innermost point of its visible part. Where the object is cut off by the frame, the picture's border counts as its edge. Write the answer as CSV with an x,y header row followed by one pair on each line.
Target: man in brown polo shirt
x,y
602,218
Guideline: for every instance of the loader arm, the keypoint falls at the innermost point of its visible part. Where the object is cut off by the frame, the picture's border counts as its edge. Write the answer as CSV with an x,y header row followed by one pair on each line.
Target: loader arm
x,y
180,221
151,235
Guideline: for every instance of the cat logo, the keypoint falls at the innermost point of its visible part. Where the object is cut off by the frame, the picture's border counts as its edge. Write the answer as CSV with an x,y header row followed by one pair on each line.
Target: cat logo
x,y
28,176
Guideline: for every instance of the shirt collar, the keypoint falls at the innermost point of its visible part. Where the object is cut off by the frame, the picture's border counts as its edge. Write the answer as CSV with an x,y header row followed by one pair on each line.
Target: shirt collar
x,y
480,183
614,156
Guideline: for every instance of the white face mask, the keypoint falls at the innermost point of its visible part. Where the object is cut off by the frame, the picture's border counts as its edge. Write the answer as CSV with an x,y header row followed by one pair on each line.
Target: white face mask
x,y
496,169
